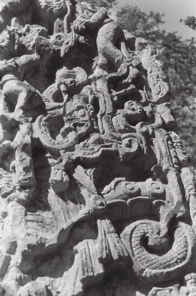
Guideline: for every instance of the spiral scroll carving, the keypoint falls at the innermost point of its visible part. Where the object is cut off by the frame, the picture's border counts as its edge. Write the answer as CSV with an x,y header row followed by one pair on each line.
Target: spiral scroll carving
x,y
154,265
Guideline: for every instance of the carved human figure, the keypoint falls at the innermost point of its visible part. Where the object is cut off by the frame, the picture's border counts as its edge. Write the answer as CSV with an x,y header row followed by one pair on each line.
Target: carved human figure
x,y
86,23
134,112
59,180
22,166
58,94
108,36
127,118
15,91
12,71
79,116
135,118
78,123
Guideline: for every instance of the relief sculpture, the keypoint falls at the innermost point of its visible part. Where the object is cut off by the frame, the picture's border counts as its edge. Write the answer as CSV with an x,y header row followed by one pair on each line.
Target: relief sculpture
x,y
97,196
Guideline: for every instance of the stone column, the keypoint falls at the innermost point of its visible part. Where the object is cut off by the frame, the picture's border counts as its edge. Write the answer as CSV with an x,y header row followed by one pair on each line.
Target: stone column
x,y
96,192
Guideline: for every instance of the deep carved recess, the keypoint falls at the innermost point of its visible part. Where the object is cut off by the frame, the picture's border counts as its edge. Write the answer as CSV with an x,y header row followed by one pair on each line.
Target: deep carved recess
x,y
96,192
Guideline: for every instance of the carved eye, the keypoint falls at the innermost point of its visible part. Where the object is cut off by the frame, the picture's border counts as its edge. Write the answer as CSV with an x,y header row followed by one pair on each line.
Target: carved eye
x,y
156,188
130,103
130,187
133,108
81,113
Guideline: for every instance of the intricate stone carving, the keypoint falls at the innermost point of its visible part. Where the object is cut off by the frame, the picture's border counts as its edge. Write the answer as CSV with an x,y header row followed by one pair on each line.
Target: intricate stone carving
x,y
96,192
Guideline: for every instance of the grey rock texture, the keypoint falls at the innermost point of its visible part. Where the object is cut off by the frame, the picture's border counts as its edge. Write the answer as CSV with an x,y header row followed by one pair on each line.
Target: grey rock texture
x,y
96,193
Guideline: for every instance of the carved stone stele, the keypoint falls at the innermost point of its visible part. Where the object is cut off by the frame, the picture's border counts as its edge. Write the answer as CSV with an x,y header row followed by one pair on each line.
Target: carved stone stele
x,y
96,192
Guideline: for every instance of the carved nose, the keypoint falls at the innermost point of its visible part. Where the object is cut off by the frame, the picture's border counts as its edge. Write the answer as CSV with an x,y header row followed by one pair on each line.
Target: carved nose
x,y
98,202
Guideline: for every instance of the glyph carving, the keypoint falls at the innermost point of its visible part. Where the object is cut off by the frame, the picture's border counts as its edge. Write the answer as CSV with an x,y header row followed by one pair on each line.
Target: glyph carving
x,y
97,196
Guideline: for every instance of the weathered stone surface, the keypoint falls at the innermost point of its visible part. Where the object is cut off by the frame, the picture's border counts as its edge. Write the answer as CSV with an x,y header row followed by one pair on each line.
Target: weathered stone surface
x,y
96,192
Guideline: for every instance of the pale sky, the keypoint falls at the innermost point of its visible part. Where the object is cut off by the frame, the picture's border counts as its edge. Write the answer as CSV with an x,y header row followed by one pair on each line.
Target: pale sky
x,y
174,10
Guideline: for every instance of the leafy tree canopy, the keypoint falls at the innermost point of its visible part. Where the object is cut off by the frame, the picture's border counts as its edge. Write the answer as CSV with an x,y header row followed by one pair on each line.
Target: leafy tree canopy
x,y
190,21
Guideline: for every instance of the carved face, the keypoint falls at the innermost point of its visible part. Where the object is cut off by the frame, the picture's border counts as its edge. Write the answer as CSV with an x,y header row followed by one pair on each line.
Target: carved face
x,y
66,77
57,39
7,45
83,112
24,169
134,112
